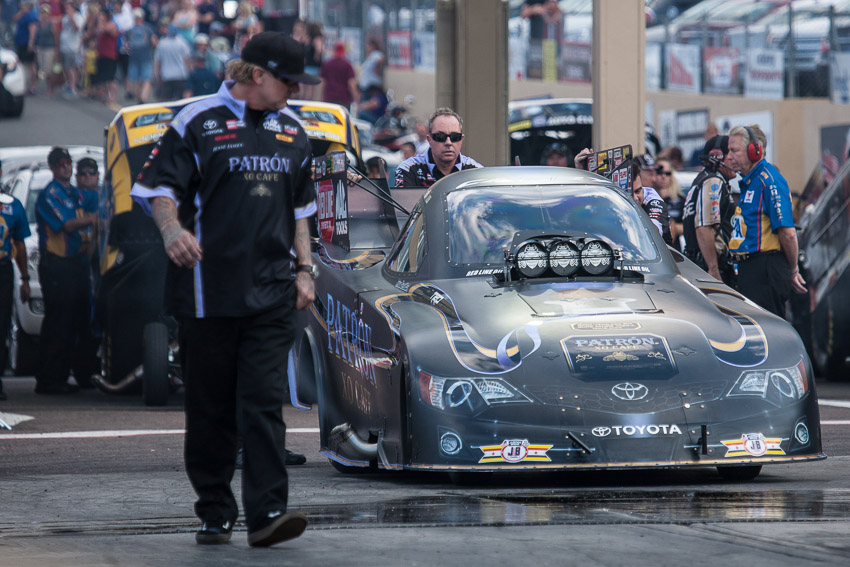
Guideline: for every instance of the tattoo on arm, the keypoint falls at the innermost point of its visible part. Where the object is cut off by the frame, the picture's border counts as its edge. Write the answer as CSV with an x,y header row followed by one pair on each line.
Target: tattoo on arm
x,y
165,218
302,241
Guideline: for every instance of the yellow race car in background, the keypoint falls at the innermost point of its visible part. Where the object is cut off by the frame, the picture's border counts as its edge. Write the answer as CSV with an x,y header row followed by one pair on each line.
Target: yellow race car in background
x,y
137,338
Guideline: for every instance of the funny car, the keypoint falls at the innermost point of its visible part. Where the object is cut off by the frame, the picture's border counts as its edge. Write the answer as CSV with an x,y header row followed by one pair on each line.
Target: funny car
x,y
531,318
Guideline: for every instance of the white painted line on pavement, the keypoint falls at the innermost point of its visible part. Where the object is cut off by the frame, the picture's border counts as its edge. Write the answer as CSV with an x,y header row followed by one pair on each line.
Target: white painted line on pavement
x,y
835,403
836,422
128,433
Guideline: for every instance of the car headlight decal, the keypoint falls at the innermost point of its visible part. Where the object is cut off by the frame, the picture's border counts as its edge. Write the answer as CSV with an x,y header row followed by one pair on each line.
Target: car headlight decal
x,y
789,383
472,393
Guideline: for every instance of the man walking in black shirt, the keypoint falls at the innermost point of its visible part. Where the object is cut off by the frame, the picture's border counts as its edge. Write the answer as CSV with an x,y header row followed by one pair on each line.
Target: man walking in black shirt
x,y
230,189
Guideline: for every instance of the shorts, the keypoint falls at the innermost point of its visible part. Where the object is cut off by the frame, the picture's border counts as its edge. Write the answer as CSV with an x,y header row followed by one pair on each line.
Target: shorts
x,y
71,59
105,70
139,72
24,54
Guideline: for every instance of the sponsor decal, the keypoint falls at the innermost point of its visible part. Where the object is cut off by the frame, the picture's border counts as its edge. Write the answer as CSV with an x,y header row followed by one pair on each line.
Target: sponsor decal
x,y
484,272
213,132
753,444
514,451
350,338
326,135
606,326
6,210
235,124
290,129
225,137
272,126
210,124
637,430
611,355
284,138
748,197
261,190
436,298
630,391
263,164
152,137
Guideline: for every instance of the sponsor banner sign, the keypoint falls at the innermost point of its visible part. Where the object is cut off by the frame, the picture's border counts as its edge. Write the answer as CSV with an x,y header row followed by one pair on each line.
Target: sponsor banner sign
x,y
720,70
399,53
682,67
606,356
652,66
329,172
765,73
576,61
839,76
690,130
763,118
424,51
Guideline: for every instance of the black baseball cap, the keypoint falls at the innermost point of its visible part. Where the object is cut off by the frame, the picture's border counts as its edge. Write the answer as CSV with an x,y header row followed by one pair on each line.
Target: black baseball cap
x,y
279,54
56,156
716,143
86,163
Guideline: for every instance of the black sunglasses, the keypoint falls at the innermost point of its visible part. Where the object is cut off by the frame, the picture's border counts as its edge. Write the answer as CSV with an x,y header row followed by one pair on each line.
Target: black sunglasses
x,y
667,173
441,137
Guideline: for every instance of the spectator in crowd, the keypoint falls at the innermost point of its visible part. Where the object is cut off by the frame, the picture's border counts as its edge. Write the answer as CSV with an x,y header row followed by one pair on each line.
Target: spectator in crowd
x,y
65,217
207,13
71,47
557,154
141,41
763,240
673,154
220,49
17,228
372,70
234,338
707,214
668,187
648,170
211,60
408,150
373,104
545,23
107,58
444,157
26,30
201,80
171,64
709,134
46,48
339,82
246,24
185,18
313,57
122,16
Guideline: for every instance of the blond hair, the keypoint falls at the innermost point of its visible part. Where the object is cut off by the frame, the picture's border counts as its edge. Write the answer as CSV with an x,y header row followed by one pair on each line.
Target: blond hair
x,y
241,71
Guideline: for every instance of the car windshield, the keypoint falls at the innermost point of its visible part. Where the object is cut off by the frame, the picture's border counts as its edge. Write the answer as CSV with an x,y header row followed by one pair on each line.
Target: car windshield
x,y
482,221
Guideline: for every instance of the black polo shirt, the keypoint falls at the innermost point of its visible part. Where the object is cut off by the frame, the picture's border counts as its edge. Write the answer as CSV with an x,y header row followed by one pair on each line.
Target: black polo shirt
x,y
240,179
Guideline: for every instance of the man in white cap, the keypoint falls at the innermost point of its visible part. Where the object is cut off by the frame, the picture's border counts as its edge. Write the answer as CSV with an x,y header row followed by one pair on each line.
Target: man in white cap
x,y
234,221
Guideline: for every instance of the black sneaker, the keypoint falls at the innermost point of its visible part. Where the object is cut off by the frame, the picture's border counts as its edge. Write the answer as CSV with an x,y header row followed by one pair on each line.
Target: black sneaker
x,y
277,527
214,533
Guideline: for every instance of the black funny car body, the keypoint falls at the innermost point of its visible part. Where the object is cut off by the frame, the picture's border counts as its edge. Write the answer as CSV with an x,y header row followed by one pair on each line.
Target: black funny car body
x,y
532,318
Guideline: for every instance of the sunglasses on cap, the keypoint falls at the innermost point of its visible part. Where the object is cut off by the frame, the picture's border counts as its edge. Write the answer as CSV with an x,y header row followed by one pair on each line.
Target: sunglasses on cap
x,y
441,137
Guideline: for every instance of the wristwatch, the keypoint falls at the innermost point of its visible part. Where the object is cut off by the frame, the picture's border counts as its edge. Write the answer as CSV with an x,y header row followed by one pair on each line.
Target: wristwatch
x,y
309,268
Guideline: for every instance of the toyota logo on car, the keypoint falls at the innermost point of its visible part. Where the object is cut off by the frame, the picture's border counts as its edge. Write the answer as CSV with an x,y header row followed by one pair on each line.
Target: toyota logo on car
x,y
630,392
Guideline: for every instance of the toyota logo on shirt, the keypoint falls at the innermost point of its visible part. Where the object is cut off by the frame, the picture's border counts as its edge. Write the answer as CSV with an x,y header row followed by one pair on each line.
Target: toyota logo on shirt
x,y
630,392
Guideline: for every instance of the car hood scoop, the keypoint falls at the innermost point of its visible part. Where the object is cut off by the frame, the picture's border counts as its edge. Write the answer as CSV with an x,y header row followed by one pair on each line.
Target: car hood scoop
x,y
584,299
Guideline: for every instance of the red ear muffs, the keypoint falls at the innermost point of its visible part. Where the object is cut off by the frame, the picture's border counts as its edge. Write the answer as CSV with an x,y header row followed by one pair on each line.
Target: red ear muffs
x,y
754,149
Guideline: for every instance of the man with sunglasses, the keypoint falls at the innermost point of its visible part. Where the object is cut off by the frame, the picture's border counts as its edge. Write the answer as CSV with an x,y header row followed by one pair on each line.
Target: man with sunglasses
x,y
65,216
443,157
229,185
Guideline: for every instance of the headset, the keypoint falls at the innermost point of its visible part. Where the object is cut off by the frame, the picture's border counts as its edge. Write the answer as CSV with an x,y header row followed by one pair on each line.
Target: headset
x,y
754,150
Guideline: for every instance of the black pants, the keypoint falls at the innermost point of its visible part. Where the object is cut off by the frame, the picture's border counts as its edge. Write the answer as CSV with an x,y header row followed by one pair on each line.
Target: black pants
x,y
234,372
66,338
765,278
6,284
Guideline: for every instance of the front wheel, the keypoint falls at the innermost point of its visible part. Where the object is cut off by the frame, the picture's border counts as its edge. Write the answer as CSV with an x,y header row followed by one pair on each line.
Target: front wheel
x,y
155,380
739,473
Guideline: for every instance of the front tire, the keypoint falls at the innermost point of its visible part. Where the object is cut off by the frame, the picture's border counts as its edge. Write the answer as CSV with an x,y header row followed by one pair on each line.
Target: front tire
x,y
155,379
